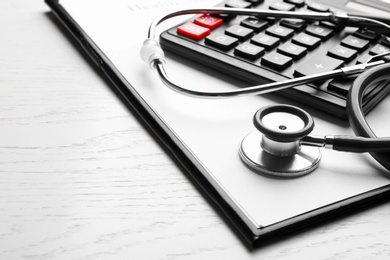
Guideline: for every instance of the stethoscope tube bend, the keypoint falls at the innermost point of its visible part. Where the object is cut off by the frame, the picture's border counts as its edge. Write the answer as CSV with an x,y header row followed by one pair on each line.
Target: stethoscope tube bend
x,y
356,115
153,55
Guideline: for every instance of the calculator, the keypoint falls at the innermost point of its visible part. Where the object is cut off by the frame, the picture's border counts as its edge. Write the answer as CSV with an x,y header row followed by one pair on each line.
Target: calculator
x,y
261,50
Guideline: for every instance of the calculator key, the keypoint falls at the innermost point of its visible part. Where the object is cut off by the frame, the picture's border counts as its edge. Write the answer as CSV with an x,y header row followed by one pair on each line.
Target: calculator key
x,y
319,31
364,58
333,26
385,41
239,32
379,49
306,40
367,34
225,16
282,6
292,50
317,7
271,20
293,23
341,85
237,4
266,41
231,4
221,41
298,3
318,64
343,53
208,21
193,31
386,59
280,31
276,60
249,51
254,23
355,42
255,2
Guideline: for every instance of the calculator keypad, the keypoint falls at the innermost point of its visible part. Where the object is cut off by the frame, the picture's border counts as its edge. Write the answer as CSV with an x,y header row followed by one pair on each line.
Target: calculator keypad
x,y
281,48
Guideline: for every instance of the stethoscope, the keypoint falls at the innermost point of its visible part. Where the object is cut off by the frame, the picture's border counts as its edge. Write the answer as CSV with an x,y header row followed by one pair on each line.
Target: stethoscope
x,y
282,146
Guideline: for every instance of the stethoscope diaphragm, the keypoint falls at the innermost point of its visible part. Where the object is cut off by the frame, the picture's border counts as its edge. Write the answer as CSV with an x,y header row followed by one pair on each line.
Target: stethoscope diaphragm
x,y
275,150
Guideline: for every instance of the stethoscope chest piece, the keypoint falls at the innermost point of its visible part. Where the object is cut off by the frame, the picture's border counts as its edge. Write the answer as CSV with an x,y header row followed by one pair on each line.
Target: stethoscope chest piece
x,y
275,149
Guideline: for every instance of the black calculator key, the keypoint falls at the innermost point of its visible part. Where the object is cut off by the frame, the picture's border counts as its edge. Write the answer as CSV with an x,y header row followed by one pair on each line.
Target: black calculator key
x,y
255,2
273,20
293,23
292,50
239,32
266,41
221,41
276,60
280,31
341,85
355,42
249,51
363,58
307,41
254,23
237,4
367,34
379,49
282,6
318,64
225,17
385,41
333,26
319,31
317,7
343,53
298,3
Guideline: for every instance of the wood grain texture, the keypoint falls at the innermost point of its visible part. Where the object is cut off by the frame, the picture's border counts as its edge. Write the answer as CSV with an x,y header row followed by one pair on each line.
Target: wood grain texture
x,y
80,178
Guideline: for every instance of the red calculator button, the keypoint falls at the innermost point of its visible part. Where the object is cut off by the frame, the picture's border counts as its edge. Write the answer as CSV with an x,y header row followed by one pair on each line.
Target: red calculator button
x,y
193,31
208,21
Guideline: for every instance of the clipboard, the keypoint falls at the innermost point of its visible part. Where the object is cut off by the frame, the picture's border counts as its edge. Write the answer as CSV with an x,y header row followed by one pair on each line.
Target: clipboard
x,y
203,136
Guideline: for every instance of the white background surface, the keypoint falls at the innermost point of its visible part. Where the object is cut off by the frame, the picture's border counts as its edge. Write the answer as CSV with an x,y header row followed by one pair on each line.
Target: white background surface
x,y
80,178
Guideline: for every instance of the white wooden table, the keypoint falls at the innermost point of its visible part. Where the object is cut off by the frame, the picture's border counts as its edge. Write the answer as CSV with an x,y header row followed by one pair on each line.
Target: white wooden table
x,y
81,178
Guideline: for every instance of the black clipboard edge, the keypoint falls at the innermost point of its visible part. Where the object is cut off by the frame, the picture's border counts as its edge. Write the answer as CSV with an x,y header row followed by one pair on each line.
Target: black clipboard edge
x,y
274,232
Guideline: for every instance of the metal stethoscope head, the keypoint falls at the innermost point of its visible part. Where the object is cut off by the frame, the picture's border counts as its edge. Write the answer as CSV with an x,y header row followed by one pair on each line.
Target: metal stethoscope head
x,y
276,148
282,146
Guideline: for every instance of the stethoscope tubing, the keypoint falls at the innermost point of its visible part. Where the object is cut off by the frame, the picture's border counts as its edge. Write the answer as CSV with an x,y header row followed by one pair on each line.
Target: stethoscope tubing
x,y
356,144
263,88
352,144
154,55
356,115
